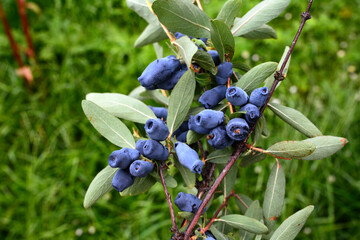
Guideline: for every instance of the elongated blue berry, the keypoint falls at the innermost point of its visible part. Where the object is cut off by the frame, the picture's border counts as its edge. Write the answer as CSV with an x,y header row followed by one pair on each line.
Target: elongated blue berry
x,y
140,168
252,112
182,137
237,129
170,82
218,138
122,180
123,158
160,112
225,71
156,129
188,157
212,97
187,202
215,56
259,96
196,127
236,96
183,128
155,150
139,146
209,118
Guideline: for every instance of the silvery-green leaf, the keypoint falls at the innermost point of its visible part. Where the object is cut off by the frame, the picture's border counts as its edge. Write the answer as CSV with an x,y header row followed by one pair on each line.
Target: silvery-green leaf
x,y
243,222
99,186
158,96
222,39
241,66
122,106
229,180
187,49
205,61
263,32
158,50
187,175
262,13
169,180
292,225
325,146
217,234
142,9
193,112
254,211
203,79
182,16
243,203
108,125
274,195
270,80
256,76
291,149
151,34
252,158
229,11
219,156
193,137
139,93
295,119
180,100
140,185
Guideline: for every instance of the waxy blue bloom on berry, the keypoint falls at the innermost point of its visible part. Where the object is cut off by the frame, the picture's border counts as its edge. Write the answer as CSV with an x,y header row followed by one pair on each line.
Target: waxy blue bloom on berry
x,y
212,97
187,202
236,96
224,72
215,56
170,83
237,129
154,150
182,137
156,129
252,112
218,138
259,96
140,168
122,180
160,112
139,146
188,157
123,158
196,127
209,118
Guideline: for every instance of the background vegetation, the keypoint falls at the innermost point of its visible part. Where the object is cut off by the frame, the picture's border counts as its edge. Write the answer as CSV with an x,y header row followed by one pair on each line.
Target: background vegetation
x,y
50,152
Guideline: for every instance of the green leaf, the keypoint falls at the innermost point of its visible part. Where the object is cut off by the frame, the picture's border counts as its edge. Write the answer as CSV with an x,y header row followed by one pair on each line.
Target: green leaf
x,y
295,119
139,93
254,211
180,100
262,13
205,61
263,32
243,222
187,175
187,215
217,234
187,49
241,66
255,76
142,9
122,106
182,16
151,34
169,180
270,80
140,185
291,149
252,158
325,146
292,225
203,79
193,137
108,125
219,156
99,186
274,195
222,39
158,50
243,203
229,12
158,96
193,112
229,180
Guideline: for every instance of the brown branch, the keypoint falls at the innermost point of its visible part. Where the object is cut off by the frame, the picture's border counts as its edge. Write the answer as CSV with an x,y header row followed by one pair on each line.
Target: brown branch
x,y
241,147
22,11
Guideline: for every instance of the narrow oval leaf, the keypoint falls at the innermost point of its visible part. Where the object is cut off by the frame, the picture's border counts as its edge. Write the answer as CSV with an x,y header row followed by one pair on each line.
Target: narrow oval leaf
x,y
243,202
292,225
182,16
187,49
263,32
295,119
217,234
244,222
170,181
108,125
291,149
222,39
187,175
262,13
140,185
192,137
325,146
158,97
229,180
229,12
180,100
122,106
255,76
252,158
99,186
219,156
274,195
139,93
142,9
254,211
205,61
193,112
151,34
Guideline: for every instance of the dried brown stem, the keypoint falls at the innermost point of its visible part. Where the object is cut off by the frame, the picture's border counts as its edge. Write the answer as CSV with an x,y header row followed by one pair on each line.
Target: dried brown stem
x,y
22,11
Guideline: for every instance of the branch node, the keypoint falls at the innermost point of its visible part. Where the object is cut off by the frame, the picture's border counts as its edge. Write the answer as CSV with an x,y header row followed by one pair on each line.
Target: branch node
x,y
305,16
279,76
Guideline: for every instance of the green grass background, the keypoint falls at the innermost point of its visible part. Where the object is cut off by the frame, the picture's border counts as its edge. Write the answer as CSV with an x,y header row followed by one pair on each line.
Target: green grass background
x,y
50,152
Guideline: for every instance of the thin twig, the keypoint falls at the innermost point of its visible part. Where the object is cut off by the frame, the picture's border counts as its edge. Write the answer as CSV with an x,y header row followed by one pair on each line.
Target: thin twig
x,y
22,11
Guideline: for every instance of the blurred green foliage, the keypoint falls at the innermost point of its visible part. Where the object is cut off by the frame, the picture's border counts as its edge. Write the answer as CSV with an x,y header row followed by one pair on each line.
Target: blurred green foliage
x,y
50,153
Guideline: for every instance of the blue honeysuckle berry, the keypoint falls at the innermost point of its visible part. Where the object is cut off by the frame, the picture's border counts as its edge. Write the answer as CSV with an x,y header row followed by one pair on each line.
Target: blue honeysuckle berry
x,y
183,128
252,112
139,146
215,56
140,168
158,71
259,96
154,150
210,238
209,118
187,202
236,96
156,129
212,97
237,129
225,71
170,83
160,112
123,158
179,35
182,137
122,180
197,128
188,157
218,138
